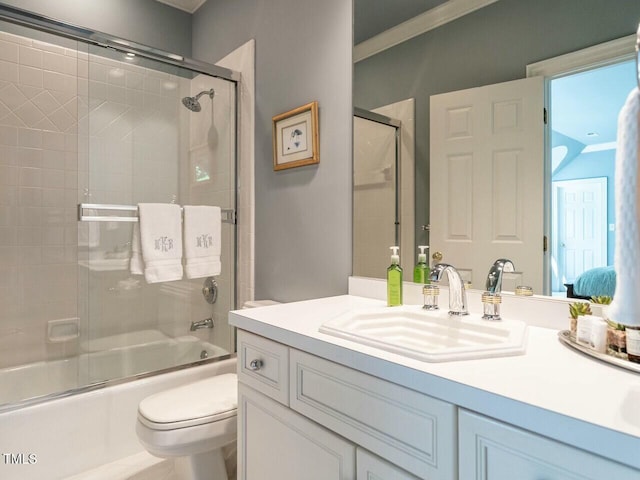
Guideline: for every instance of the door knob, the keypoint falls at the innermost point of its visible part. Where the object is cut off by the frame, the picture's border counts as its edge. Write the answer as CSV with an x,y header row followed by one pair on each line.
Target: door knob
x,y
437,256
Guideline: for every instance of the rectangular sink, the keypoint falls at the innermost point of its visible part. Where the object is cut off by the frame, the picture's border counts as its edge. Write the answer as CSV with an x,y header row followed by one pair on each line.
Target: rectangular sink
x,y
431,336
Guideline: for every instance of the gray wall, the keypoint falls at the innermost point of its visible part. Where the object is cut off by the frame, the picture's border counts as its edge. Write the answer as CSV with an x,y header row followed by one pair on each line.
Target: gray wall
x,y
143,21
491,45
303,215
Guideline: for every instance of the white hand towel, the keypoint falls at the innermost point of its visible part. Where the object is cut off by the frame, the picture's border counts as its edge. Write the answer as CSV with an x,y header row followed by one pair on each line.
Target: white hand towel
x,y
136,265
202,241
625,307
161,241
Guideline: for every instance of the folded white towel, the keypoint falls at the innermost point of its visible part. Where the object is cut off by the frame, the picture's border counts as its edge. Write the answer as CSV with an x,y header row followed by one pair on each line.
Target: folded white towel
x,y
136,265
202,241
625,307
161,241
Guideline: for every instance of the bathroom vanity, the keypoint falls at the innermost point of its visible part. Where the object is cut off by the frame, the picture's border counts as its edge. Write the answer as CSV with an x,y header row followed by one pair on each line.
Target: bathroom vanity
x,y
316,406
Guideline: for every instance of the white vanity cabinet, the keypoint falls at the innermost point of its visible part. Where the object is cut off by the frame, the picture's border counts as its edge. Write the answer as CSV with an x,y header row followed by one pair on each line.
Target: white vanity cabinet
x,y
491,450
275,443
330,410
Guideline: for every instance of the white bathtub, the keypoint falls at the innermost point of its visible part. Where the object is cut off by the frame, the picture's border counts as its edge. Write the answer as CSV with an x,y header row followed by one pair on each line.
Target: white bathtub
x,y
74,433
107,358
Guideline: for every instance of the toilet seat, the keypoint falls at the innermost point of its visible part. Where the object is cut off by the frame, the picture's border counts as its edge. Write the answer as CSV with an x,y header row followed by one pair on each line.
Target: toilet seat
x,y
205,401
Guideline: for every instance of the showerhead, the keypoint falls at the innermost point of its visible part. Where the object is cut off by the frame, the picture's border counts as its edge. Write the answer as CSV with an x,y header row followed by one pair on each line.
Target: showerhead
x,y
193,104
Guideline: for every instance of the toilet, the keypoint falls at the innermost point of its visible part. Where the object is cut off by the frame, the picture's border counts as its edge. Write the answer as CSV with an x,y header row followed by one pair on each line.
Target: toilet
x,y
192,423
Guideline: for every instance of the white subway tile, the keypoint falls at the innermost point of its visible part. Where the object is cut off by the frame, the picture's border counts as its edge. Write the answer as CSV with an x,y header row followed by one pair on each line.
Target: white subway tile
x,y
8,51
29,197
29,56
29,137
30,76
8,136
30,216
8,236
53,197
52,235
12,97
53,140
59,63
29,236
30,177
48,47
53,254
8,195
60,82
53,159
29,91
53,178
9,175
29,157
98,72
8,71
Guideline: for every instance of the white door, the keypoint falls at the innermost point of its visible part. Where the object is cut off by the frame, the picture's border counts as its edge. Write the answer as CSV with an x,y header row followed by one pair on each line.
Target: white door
x,y
487,180
580,226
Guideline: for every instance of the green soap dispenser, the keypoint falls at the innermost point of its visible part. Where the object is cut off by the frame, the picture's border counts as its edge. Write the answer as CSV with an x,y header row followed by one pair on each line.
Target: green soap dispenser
x,y
421,270
394,280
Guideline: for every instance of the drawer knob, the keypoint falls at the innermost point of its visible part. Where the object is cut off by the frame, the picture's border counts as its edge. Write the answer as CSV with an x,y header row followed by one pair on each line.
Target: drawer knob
x,y
255,364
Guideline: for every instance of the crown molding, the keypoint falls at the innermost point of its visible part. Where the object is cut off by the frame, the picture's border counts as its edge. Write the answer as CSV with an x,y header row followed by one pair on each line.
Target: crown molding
x,y
429,20
189,6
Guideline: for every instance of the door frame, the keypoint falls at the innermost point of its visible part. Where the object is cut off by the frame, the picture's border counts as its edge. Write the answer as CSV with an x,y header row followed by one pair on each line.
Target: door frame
x,y
601,182
597,56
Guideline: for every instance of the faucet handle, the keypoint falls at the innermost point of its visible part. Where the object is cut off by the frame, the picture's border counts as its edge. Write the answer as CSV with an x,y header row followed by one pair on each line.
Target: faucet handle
x,y
430,293
491,305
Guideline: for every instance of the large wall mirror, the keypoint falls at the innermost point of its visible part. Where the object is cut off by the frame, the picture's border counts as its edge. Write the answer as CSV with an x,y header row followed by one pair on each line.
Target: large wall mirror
x,y
448,58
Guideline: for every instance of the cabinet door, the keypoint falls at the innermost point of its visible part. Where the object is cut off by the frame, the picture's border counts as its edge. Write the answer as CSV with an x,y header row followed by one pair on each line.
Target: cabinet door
x,y
372,467
275,443
491,450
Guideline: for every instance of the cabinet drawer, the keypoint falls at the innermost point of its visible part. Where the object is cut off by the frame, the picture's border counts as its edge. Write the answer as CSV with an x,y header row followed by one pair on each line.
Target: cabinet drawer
x,y
264,365
411,430
491,450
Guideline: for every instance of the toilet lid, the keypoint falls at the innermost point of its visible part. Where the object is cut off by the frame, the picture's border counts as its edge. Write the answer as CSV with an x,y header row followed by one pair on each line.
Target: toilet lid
x,y
198,402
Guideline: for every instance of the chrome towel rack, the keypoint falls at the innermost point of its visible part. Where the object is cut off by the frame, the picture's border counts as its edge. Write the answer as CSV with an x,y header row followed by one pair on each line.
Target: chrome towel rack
x,y
90,212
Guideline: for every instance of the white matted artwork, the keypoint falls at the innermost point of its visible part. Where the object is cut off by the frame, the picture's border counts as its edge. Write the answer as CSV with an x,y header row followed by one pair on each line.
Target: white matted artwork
x,y
295,137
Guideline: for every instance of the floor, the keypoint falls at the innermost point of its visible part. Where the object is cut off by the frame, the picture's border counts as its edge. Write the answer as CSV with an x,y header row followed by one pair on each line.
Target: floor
x,y
141,466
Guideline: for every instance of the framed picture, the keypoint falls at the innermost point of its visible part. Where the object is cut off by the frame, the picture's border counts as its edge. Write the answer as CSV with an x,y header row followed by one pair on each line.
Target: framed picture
x,y
295,137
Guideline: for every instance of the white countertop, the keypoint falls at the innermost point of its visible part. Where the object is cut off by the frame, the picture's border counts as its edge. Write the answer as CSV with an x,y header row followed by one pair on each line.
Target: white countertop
x,y
551,390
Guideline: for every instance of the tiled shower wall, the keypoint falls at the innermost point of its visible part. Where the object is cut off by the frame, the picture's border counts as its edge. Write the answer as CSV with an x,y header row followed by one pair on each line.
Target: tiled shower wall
x,y
77,127
38,193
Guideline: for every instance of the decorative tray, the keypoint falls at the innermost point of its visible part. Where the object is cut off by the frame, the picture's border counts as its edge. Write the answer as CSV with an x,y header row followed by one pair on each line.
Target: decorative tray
x,y
567,338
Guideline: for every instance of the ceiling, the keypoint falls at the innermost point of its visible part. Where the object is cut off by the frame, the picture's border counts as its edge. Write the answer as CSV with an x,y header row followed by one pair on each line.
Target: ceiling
x,y
189,6
589,102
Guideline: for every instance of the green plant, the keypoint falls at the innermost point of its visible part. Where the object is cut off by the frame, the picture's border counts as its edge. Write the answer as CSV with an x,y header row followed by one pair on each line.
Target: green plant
x,y
602,300
579,308
615,325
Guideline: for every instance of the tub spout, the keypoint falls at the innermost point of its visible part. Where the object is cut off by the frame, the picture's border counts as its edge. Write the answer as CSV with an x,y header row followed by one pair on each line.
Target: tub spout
x,y
206,323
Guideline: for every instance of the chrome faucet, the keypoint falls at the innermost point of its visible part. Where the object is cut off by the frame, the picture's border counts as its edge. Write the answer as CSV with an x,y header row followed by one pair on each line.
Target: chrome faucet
x,y
494,278
206,323
491,299
457,293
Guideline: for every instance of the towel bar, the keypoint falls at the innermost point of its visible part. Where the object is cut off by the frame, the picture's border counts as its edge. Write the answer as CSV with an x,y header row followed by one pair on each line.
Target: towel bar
x,y
228,214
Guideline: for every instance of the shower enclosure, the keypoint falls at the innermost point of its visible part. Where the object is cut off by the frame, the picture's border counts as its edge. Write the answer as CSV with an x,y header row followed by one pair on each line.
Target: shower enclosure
x,y
90,126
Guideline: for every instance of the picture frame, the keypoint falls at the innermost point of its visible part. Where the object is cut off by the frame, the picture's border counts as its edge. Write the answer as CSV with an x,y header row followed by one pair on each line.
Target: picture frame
x,y
295,137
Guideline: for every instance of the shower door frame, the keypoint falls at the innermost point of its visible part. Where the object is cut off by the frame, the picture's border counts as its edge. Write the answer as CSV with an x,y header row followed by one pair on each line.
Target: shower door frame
x,y
87,36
